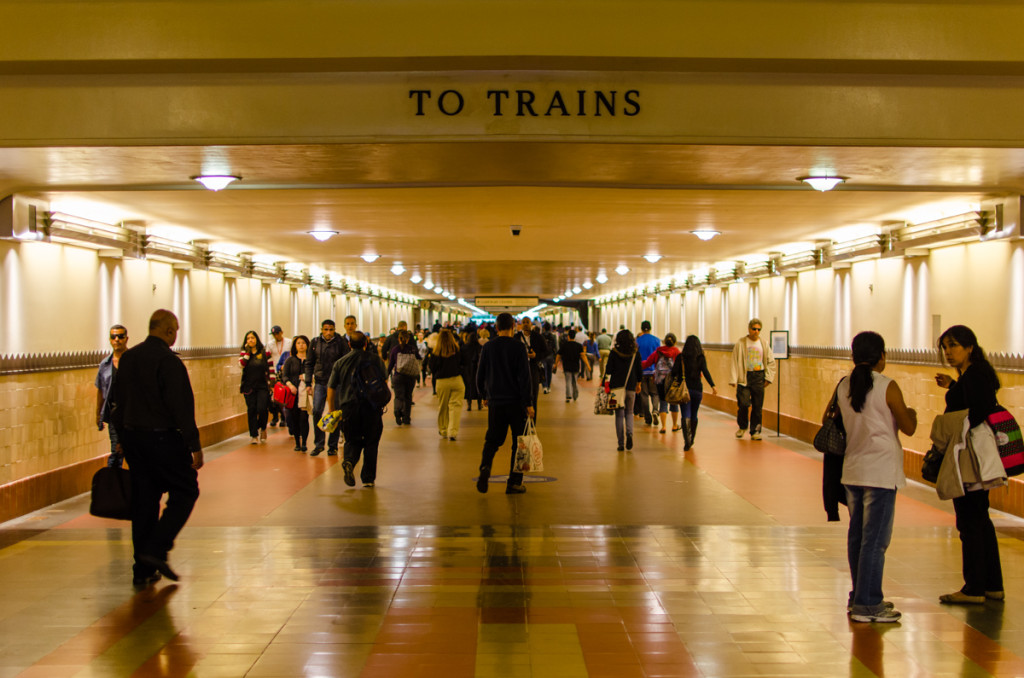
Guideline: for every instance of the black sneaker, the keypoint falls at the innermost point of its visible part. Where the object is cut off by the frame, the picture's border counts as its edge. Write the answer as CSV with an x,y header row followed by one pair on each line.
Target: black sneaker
x,y
350,478
316,450
515,489
629,442
148,580
481,482
332,453
160,565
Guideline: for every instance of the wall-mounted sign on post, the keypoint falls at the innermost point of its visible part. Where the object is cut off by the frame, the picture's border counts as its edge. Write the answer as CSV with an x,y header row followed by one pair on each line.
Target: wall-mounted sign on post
x,y
778,340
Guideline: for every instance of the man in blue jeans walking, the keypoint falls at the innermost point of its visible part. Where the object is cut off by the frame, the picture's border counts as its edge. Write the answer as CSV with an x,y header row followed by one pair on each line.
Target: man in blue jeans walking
x,y
321,355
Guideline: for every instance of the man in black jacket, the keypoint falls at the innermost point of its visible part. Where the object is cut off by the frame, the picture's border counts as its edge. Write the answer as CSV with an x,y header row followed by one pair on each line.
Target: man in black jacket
x,y
537,351
153,411
503,379
360,420
321,355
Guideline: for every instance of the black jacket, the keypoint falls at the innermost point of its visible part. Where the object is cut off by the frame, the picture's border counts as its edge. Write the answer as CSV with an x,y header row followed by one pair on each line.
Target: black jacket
x,y
537,345
621,370
443,368
321,356
693,372
503,377
975,392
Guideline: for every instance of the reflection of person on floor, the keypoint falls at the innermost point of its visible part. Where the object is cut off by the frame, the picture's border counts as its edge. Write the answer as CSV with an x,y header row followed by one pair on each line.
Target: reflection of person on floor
x,y
361,422
873,414
153,408
504,381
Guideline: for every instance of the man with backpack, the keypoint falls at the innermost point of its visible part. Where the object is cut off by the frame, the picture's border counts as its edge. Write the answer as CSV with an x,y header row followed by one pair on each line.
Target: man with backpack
x,y
358,387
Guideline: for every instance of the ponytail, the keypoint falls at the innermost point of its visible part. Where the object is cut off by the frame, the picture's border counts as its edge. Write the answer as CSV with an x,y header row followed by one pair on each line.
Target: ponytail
x,y
868,350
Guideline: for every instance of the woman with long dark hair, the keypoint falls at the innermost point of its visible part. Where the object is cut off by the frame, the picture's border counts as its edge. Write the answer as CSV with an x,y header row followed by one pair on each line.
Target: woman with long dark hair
x,y
257,371
873,413
470,361
973,390
690,365
623,371
403,384
293,374
446,365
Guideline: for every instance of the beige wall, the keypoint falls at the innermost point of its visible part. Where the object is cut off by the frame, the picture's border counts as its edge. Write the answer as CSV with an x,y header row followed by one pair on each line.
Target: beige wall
x,y
905,300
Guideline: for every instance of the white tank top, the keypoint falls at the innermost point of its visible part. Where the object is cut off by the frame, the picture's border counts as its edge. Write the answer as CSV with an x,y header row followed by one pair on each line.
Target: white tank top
x,y
874,455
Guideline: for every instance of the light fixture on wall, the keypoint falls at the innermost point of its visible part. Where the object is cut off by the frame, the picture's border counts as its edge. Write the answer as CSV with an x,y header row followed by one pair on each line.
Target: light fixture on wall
x,y
705,233
322,234
622,269
215,182
652,258
822,183
370,258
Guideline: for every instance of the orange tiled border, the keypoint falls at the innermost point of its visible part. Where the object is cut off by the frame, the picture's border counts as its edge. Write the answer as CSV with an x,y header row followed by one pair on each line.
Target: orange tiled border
x,y
41,490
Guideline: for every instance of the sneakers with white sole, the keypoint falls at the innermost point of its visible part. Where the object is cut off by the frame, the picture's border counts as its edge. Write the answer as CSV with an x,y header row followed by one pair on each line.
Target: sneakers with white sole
x,y
885,615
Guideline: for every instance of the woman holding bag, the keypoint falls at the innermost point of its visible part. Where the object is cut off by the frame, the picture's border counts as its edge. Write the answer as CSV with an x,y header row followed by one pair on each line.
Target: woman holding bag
x,y
690,365
292,372
623,373
974,390
257,373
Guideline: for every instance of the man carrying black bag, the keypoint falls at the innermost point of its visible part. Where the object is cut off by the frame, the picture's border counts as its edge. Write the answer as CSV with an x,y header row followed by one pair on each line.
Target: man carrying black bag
x,y
153,409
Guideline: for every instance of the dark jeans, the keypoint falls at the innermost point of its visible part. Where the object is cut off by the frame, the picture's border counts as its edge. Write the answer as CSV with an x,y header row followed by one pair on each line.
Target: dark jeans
x,y
159,462
319,403
115,460
257,405
982,569
535,376
749,401
871,515
298,423
362,436
690,409
547,366
649,398
402,385
500,419
276,409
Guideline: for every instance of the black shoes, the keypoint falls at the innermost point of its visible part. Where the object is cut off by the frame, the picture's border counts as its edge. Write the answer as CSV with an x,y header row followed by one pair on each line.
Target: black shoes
x,y
160,566
629,442
350,478
515,489
481,482
621,448
148,580
298,448
316,451
332,453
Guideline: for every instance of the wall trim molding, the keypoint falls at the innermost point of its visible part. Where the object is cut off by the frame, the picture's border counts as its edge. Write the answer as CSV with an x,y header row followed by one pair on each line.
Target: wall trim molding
x,y
1003,362
27,363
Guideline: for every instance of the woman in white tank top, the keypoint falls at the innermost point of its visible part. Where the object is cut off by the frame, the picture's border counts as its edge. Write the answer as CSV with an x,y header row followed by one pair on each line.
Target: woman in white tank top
x,y
873,413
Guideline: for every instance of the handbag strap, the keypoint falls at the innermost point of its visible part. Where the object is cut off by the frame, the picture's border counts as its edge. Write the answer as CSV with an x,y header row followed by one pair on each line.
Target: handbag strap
x,y
833,404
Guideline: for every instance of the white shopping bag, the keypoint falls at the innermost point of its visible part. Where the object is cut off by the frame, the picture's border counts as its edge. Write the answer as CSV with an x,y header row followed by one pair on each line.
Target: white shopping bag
x,y
529,452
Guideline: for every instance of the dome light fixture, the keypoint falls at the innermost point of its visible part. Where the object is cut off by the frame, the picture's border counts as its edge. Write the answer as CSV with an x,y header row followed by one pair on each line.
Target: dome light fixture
x,y
398,269
622,269
587,285
706,233
822,183
652,258
576,289
215,182
370,258
416,279
601,278
428,285
323,234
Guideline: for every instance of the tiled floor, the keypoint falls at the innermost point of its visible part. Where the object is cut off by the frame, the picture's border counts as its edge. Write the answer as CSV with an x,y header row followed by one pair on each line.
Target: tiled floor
x,y
716,562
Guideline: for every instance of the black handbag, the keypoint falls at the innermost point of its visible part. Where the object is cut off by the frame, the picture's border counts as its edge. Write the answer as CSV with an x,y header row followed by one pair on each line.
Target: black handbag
x,y
111,493
831,437
932,463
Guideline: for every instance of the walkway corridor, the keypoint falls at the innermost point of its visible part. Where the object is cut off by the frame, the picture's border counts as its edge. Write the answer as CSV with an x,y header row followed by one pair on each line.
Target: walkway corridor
x,y
653,563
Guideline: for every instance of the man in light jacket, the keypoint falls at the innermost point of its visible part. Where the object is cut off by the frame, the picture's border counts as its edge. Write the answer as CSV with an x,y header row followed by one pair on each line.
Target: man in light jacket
x,y
752,368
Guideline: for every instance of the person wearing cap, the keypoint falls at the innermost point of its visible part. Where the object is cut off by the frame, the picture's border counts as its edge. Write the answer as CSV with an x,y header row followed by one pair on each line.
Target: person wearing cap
x,y
279,348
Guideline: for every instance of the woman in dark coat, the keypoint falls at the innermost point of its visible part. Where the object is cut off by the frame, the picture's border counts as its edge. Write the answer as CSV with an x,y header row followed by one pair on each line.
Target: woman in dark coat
x,y
623,371
470,355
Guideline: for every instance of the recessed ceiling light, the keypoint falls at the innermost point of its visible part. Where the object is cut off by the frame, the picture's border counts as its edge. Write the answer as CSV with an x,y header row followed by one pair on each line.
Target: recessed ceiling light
x,y
215,182
416,279
398,269
601,278
622,269
705,233
370,258
653,258
323,234
822,183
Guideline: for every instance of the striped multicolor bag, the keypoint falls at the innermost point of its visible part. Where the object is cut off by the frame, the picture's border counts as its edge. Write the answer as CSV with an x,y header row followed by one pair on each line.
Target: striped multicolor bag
x,y
1008,440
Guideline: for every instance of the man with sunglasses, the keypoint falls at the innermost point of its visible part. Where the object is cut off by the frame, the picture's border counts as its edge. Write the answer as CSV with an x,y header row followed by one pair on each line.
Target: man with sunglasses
x,y
119,344
752,368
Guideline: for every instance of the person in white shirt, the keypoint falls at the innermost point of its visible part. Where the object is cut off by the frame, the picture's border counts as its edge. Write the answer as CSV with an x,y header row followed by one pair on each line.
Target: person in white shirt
x,y
752,368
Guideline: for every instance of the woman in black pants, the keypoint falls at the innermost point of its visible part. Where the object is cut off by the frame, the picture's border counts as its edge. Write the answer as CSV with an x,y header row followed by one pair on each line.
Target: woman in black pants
x,y
294,378
974,391
401,383
692,364
257,368
470,356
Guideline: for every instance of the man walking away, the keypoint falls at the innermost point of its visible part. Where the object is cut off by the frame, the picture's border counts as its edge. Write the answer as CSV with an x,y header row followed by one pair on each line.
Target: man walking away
x,y
647,343
752,368
350,389
604,348
504,380
570,357
153,410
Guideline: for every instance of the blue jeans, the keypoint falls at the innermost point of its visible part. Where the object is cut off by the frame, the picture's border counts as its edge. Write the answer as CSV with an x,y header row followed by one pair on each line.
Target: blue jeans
x,y
319,402
690,408
872,510
624,417
547,365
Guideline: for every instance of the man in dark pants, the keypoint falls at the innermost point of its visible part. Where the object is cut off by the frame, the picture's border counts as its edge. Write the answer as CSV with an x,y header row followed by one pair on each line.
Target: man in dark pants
x,y
537,351
752,368
153,410
361,422
321,355
504,381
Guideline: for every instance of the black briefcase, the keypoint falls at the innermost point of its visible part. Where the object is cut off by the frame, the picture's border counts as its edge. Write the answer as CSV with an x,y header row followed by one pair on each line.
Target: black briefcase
x,y
111,493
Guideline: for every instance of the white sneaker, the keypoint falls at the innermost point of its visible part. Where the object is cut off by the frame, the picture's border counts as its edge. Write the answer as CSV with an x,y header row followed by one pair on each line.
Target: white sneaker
x,y
756,435
740,432
254,441
887,615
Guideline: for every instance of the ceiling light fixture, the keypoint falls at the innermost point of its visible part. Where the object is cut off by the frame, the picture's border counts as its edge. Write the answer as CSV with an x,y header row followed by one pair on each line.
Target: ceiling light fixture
x,y
652,258
322,234
576,290
622,269
370,258
216,182
398,269
429,285
587,285
416,279
822,183
706,233
601,278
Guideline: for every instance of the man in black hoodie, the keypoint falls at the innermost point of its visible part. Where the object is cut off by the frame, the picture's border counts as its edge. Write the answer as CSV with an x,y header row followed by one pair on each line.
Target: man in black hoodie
x,y
503,379
321,355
